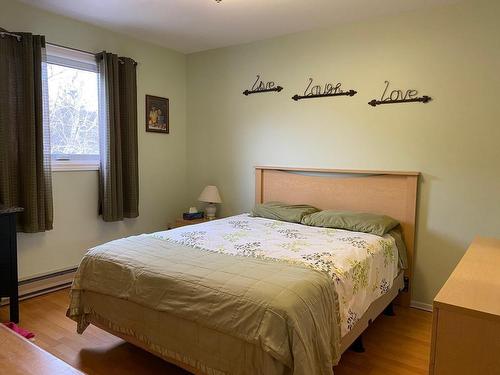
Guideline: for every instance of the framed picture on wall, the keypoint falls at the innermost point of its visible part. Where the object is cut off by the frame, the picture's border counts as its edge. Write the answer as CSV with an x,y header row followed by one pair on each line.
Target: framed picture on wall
x,y
157,114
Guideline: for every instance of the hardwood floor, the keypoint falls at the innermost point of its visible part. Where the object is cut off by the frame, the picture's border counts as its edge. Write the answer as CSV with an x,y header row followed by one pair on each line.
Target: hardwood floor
x,y
397,345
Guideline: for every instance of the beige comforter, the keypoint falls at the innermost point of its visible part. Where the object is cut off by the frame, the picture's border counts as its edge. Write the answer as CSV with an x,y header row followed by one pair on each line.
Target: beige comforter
x,y
290,311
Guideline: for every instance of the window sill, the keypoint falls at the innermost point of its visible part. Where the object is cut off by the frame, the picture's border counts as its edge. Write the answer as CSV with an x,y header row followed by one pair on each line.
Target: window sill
x,y
71,166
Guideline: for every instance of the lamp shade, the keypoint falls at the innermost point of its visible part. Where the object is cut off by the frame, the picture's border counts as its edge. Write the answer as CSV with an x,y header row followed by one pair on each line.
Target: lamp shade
x,y
210,194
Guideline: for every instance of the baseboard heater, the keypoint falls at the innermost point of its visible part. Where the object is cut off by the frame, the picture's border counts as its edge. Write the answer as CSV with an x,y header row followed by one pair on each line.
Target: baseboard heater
x,y
39,285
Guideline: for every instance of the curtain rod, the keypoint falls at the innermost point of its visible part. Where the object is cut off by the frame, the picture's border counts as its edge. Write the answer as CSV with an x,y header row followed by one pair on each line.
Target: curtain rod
x,y
18,37
87,52
74,49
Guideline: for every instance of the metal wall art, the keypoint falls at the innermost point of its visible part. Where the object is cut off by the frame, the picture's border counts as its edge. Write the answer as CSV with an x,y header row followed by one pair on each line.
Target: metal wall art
x,y
397,96
260,86
319,91
329,89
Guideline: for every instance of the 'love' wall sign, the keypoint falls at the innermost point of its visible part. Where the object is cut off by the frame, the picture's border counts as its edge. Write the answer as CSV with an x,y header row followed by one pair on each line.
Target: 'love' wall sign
x,y
397,96
319,91
328,89
260,86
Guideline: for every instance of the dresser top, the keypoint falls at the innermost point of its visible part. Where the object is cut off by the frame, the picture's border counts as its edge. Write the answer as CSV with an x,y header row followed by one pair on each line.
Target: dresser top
x,y
10,210
475,283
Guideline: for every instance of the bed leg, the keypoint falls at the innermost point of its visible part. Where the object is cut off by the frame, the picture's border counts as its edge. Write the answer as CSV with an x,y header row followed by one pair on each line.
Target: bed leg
x,y
357,345
389,310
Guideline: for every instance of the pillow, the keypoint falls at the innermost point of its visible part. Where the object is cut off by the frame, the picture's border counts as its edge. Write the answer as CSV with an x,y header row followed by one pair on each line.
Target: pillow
x,y
358,222
292,213
397,234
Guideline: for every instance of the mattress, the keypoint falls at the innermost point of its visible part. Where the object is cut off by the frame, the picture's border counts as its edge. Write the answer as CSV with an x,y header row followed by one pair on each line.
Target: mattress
x,y
362,266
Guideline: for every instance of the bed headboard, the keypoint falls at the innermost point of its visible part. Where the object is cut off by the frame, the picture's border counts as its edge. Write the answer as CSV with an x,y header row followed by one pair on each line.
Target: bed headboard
x,y
384,192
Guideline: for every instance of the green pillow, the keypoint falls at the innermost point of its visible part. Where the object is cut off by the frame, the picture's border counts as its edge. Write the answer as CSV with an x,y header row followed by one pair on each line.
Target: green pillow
x,y
355,221
292,213
397,234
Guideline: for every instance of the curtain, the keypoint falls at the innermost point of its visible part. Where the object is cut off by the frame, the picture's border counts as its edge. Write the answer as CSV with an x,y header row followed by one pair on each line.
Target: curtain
x,y
25,175
118,175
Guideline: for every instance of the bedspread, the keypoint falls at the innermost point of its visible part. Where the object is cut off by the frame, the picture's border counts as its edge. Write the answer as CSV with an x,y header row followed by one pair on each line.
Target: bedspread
x,y
289,310
362,266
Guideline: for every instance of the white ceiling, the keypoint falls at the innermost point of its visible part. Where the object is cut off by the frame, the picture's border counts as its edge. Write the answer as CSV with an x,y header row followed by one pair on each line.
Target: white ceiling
x,y
196,25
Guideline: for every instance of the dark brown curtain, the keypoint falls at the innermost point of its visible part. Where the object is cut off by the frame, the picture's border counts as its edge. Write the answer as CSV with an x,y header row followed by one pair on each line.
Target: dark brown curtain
x,y
118,176
25,175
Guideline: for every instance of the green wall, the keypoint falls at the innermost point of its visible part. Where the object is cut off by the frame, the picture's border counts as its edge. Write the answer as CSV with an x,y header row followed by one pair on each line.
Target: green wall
x,y
162,158
450,53
218,135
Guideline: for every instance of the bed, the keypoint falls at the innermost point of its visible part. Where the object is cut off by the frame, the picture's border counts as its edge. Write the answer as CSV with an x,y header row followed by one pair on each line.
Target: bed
x,y
252,295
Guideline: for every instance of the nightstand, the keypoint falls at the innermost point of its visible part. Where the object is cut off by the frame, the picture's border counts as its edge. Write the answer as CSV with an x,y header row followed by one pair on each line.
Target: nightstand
x,y
182,222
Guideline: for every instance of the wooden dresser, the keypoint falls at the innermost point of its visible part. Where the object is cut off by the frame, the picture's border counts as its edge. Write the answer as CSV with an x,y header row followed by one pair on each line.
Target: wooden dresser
x,y
8,259
466,315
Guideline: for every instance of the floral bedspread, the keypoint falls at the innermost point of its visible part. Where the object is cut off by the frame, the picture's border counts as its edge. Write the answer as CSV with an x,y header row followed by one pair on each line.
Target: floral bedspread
x,y
362,265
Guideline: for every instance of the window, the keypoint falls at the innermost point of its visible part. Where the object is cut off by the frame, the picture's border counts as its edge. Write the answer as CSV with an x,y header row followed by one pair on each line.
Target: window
x,y
73,109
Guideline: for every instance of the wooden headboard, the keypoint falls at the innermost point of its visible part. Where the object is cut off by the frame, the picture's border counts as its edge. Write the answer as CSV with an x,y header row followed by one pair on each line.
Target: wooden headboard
x,y
383,192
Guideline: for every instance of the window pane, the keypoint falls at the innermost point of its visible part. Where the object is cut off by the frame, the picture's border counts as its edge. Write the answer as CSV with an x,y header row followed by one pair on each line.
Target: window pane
x,y
73,111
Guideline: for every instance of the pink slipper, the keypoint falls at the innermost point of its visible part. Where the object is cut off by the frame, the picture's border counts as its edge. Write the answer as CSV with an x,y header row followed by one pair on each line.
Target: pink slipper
x,y
20,331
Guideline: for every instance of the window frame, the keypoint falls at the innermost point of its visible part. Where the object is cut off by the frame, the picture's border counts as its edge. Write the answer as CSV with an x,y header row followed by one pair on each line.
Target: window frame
x,y
71,58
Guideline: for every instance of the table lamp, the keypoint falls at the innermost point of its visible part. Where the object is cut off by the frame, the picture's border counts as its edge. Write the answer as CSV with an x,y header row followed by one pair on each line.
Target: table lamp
x,y
210,195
